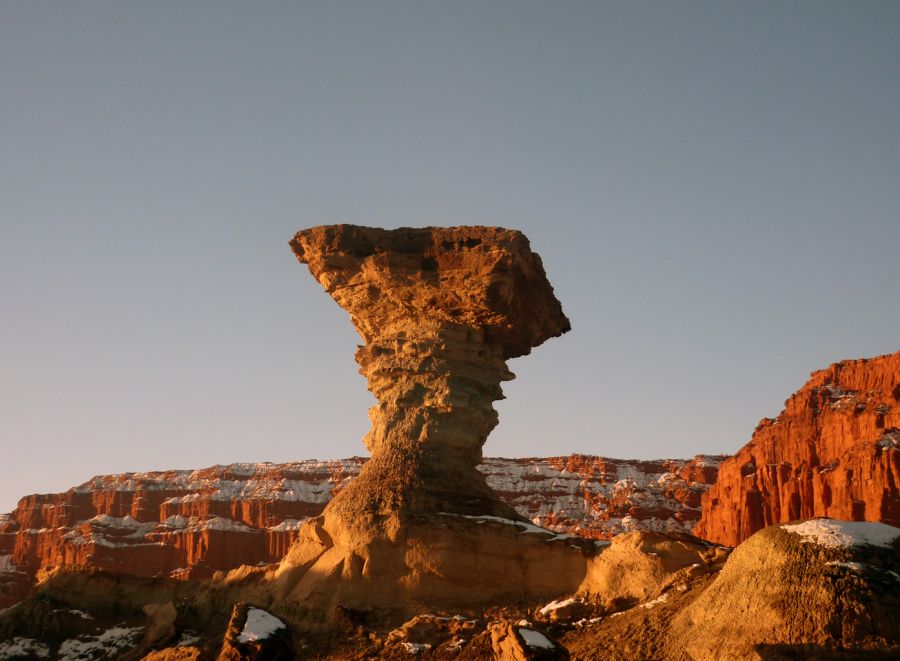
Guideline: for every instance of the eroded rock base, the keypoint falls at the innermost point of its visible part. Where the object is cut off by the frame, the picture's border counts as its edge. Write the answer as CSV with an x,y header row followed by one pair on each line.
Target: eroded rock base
x,y
823,589
442,561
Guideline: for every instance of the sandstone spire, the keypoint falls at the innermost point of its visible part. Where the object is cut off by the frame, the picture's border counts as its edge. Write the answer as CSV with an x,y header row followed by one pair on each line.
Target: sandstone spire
x,y
440,311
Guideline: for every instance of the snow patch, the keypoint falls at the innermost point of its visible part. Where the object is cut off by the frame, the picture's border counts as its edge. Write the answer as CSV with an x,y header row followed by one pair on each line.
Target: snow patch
x,y
525,528
74,611
536,639
290,524
415,648
108,644
7,566
259,626
857,567
833,533
556,605
18,647
661,599
188,638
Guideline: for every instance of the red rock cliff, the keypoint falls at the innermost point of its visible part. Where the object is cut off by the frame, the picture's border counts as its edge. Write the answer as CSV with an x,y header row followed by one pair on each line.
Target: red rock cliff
x,y
185,523
831,452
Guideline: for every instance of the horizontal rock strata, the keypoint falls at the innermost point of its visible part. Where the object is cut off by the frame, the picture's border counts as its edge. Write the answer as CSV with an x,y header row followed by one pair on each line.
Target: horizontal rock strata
x,y
186,523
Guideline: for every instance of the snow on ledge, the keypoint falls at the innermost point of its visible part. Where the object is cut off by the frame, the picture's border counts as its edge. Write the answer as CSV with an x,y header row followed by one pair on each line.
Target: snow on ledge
x,y
259,626
556,605
523,526
536,639
832,533
20,647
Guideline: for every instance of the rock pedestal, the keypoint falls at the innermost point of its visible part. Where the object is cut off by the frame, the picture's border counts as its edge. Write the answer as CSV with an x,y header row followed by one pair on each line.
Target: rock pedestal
x,y
440,311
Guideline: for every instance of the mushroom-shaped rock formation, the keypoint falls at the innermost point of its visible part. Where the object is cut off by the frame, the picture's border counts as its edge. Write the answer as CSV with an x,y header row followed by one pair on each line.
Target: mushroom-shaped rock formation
x,y
440,311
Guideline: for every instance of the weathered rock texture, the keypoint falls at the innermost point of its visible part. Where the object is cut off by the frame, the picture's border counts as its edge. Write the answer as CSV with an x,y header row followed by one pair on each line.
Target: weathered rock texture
x,y
440,311
833,451
823,589
638,566
191,523
786,595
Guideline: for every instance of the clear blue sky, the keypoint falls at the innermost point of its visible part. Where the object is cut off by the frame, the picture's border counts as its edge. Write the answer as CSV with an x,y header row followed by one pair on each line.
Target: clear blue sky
x,y
714,188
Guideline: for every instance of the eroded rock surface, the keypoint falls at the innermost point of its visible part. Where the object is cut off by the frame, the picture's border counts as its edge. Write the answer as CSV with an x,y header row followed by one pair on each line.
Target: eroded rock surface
x,y
639,566
833,451
440,311
190,523
820,588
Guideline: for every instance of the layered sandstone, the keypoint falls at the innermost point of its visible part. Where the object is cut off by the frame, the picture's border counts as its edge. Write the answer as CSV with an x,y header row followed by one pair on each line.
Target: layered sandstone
x,y
823,589
833,451
191,523
440,311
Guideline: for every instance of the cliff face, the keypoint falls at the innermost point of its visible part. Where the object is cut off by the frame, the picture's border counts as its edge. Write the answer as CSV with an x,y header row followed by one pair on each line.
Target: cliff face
x,y
833,451
191,523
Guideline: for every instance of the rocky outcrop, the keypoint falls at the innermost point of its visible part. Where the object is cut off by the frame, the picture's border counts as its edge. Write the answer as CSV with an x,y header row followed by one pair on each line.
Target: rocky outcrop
x,y
638,566
818,589
833,451
178,524
440,310
812,590
221,517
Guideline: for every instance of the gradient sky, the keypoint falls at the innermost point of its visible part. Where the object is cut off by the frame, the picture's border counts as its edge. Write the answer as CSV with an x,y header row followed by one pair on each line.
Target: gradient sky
x,y
714,189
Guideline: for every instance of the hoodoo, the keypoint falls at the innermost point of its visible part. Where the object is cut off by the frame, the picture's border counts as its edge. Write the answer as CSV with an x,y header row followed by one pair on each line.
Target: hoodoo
x,y
440,311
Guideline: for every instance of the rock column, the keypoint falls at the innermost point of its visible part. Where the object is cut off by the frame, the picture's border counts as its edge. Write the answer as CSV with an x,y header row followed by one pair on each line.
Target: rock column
x,y
440,311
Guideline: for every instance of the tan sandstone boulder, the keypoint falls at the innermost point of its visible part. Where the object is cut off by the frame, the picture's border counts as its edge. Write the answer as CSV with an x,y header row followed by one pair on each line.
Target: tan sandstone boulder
x,y
822,588
638,566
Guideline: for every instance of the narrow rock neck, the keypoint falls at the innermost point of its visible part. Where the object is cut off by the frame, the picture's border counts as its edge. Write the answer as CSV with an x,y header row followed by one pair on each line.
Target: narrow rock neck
x,y
435,388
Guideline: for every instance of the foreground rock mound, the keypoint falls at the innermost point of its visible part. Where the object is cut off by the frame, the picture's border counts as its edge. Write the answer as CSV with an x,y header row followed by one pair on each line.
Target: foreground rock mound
x,y
819,589
833,452
810,590
440,310
639,566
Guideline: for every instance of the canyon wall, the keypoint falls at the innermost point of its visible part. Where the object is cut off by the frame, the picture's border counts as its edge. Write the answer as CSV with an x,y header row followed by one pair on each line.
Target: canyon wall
x,y
833,451
185,523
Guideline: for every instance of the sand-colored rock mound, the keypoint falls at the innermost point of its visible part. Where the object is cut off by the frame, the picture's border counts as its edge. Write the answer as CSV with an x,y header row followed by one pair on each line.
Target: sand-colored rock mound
x,y
833,451
638,566
440,311
815,589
